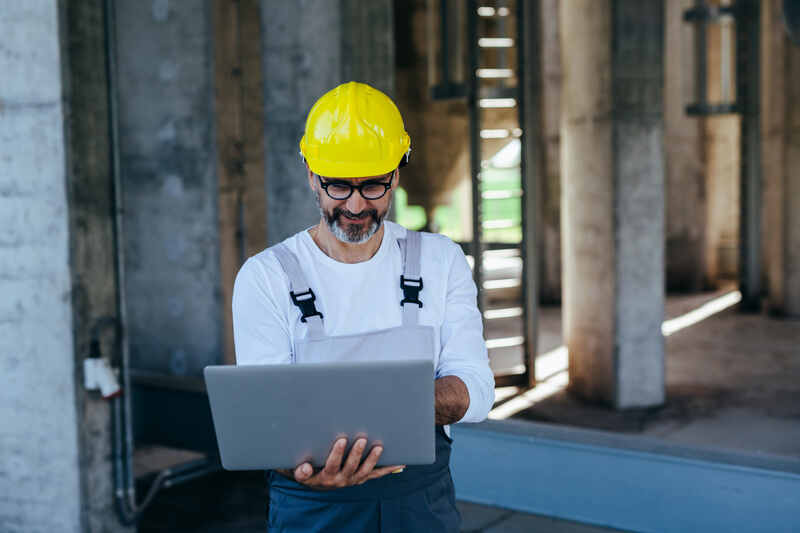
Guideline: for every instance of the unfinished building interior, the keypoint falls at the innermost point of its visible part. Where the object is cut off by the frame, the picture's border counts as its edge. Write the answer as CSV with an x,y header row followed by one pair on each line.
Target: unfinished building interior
x,y
623,176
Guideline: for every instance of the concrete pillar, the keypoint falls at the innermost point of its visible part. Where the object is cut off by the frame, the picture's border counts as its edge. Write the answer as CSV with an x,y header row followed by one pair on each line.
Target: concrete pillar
x,y
92,245
550,194
683,145
40,476
168,159
613,189
780,122
722,163
308,49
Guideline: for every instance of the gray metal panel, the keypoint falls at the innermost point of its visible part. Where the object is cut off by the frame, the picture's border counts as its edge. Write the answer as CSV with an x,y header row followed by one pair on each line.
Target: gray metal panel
x,y
168,169
624,482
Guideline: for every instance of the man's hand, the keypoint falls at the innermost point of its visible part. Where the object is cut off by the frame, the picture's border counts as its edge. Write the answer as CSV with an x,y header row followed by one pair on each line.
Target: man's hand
x,y
334,475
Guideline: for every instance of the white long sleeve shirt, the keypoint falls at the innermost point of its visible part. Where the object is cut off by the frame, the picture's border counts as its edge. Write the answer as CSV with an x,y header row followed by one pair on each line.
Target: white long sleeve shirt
x,y
363,297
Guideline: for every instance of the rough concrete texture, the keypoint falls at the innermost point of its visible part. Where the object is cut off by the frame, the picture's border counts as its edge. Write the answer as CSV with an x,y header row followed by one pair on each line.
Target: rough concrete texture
x,y
587,196
613,182
683,145
168,159
239,118
39,473
780,124
792,177
550,196
638,79
773,126
721,134
309,47
94,282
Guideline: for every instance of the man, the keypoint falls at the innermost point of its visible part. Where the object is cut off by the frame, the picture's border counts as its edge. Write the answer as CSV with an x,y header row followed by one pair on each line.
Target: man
x,y
307,298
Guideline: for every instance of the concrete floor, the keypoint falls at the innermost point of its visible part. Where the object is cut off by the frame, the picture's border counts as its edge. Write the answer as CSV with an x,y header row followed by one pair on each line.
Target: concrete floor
x,y
733,382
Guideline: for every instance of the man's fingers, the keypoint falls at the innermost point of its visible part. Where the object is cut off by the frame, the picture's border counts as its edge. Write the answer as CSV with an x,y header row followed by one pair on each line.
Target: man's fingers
x,y
370,462
354,458
334,461
303,472
384,470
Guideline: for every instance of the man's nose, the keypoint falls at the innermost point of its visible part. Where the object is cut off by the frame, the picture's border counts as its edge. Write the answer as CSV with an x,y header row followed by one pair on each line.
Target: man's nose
x,y
356,202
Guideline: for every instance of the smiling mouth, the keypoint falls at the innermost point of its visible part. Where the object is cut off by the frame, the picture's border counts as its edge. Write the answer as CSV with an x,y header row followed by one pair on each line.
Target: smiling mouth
x,y
356,218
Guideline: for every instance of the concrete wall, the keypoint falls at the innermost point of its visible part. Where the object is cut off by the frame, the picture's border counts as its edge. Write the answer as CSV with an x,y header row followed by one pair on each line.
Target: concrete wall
x,y
722,152
309,47
40,488
240,136
550,197
92,244
168,159
780,122
683,144
613,182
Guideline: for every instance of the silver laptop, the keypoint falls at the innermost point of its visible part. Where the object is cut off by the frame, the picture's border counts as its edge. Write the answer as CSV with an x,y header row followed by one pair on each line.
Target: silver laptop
x,y
278,416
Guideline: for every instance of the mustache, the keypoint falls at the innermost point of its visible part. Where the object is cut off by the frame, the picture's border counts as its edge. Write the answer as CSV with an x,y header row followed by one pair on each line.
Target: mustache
x,y
338,212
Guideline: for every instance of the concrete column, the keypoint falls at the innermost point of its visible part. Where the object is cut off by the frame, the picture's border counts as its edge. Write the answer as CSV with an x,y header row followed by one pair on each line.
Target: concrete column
x,y
92,245
613,190
722,162
309,48
683,144
780,70
40,477
168,159
550,195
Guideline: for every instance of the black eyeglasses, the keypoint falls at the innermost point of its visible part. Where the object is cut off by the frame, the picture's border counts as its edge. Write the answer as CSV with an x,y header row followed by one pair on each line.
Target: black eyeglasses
x,y
369,190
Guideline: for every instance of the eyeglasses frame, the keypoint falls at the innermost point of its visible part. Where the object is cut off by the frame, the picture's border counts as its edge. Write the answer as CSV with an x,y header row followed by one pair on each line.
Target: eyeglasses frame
x,y
360,186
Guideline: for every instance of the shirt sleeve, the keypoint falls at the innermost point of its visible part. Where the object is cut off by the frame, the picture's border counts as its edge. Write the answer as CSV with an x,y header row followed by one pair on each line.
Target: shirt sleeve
x,y
260,330
464,353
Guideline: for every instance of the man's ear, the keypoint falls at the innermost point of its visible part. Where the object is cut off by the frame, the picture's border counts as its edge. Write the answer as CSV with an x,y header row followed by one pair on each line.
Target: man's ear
x,y
310,176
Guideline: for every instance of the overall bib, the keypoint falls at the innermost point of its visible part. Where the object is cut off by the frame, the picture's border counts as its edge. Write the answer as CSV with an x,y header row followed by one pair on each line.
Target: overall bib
x,y
420,498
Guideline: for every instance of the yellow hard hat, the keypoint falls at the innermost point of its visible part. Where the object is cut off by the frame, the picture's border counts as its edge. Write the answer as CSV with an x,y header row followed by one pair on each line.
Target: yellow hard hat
x,y
354,130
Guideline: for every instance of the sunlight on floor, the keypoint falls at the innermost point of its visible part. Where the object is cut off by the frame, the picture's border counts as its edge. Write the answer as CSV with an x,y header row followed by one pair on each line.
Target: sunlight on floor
x,y
551,367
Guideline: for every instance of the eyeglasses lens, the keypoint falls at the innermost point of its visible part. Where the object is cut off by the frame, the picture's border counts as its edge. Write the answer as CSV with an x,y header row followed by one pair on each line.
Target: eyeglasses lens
x,y
338,192
373,191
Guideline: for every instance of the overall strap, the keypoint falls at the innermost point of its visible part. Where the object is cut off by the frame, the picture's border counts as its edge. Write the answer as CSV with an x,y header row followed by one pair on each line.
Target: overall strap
x,y
411,279
299,290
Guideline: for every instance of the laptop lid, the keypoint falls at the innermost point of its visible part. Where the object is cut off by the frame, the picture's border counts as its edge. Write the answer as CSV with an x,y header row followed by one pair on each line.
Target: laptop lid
x,y
278,416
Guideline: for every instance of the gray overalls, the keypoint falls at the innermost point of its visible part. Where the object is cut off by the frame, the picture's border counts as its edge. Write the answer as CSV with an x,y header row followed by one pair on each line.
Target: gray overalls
x,y
421,498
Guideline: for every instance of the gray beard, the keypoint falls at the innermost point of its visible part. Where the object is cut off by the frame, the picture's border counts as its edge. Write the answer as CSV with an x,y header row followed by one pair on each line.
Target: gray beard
x,y
352,235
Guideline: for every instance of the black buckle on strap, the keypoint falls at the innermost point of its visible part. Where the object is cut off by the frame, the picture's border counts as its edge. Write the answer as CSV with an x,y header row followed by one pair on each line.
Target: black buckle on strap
x,y
411,288
305,301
